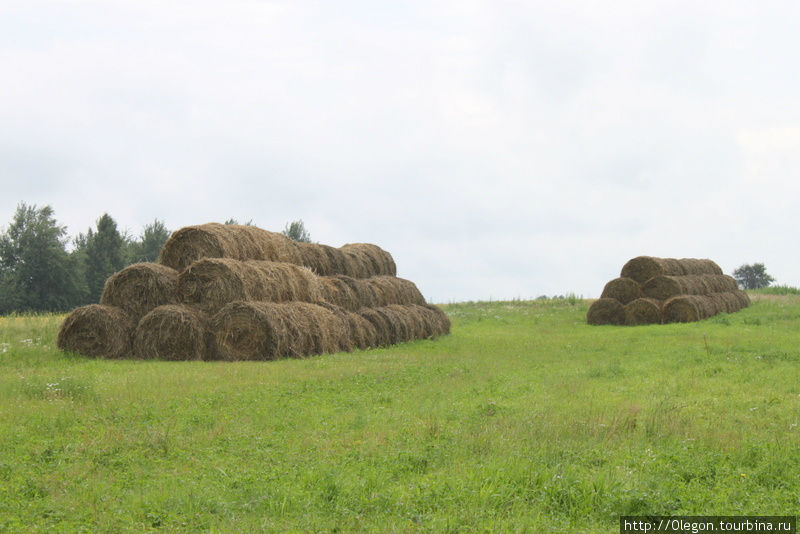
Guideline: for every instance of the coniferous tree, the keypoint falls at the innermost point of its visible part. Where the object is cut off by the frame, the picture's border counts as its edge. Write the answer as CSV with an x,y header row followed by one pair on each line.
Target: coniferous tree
x,y
36,272
104,255
149,244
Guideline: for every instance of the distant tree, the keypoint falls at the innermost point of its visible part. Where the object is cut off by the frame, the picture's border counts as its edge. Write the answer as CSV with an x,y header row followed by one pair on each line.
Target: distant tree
x,y
234,221
104,255
36,272
149,244
752,276
296,231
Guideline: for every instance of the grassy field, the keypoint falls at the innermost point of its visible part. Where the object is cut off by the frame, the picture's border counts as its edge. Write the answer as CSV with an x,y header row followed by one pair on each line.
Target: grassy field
x,y
524,419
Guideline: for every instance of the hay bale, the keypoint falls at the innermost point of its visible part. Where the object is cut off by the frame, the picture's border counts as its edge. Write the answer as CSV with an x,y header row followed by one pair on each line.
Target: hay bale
x,y
662,287
742,297
365,292
378,261
214,240
394,290
336,290
439,320
268,330
623,289
642,268
344,334
688,308
174,332
362,332
211,283
98,331
382,326
315,258
606,311
139,288
643,311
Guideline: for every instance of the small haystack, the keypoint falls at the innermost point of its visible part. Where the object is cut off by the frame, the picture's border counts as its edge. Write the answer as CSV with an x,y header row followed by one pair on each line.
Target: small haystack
x,y
267,330
98,331
214,240
174,332
622,289
140,287
211,283
375,260
643,311
606,311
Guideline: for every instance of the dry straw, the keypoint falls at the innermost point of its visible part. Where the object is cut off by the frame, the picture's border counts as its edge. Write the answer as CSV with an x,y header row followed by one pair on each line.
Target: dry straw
x,y
174,332
267,330
643,311
214,240
211,283
623,289
606,311
98,331
642,268
140,287
663,287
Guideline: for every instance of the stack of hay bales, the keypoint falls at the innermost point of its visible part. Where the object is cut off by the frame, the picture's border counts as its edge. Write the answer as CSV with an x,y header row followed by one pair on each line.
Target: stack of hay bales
x,y
665,290
237,292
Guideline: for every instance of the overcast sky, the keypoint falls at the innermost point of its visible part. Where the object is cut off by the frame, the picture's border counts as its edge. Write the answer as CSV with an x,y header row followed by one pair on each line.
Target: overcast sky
x,y
496,149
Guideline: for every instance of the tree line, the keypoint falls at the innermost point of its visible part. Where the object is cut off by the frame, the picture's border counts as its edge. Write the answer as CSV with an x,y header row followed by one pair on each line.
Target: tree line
x,y
42,269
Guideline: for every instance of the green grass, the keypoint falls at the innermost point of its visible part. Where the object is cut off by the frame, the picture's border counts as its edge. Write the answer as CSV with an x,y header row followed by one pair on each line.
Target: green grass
x,y
777,290
524,419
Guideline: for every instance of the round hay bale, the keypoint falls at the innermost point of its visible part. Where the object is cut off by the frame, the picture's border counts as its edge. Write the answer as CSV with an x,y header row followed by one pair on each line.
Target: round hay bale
x,y
623,289
742,297
211,283
699,266
267,330
688,308
315,258
214,240
344,334
394,290
606,311
362,332
174,332
415,320
97,331
383,328
139,288
337,291
643,311
378,261
439,320
365,292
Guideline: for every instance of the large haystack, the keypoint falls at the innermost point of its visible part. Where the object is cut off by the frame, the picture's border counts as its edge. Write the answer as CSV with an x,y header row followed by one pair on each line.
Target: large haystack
x,y
140,287
214,240
622,289
241,293
267,330
211,283
98,331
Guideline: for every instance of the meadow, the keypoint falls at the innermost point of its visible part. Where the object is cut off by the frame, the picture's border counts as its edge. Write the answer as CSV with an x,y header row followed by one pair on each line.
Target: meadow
x,y
524,419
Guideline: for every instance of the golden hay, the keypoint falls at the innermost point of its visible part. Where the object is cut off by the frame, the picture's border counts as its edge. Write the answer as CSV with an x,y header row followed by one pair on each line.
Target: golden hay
x,y
685,309
438,319
174,332
606,311
267,330
214,240
211,283
98,331
643,311
394,290
622,289
337,291
381,324
642,268
662,287
139,288
376,260
345,334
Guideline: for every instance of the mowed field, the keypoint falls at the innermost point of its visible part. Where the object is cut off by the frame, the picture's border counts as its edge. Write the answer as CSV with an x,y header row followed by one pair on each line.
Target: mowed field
x,y
524,419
